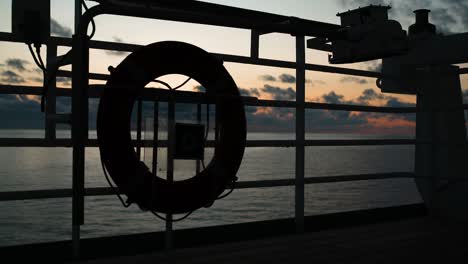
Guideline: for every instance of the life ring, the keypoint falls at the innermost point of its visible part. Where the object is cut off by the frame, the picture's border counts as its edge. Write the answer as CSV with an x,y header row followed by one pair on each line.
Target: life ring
x,y
132,176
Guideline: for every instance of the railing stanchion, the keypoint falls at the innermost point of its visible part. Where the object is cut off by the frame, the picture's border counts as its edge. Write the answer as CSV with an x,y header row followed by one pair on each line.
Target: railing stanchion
x,y
139,120
50,124
300,131
155,138
170,166
254,44
80,85
199,119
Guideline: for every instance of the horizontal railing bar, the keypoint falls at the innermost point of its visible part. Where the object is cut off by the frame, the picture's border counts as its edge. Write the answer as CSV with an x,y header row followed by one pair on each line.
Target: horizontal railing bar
x,y
21,89
66,142
323,179
92,76
212,14
105,45
10,37
101,191
195,97
360,108
125,47
364,142
358,177
35,142
246,60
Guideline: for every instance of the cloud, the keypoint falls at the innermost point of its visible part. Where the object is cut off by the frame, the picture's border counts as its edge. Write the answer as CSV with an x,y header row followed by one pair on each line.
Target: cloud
x,y
253,92
278,93
351,79
198,88
59,30
318,82
64,81
333,98
395,102
17,64
287,78
365,98
23,112
19,111
270,119
116,52
370,95
11,77
36,79
267,78
375,65
249,92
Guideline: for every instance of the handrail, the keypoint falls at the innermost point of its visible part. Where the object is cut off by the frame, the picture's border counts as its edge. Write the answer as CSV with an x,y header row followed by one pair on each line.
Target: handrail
x,y
105,45
67,142
100,191
194,97
295,26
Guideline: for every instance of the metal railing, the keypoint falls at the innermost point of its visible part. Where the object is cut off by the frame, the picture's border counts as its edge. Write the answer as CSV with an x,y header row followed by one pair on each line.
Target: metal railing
x,y
82,90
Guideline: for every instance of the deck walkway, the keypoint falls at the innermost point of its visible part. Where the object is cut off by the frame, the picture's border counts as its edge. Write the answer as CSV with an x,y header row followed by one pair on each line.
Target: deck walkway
x,y
418,240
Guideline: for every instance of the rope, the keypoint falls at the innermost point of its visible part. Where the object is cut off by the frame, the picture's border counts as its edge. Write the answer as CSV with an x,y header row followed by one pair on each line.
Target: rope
x,y
93,24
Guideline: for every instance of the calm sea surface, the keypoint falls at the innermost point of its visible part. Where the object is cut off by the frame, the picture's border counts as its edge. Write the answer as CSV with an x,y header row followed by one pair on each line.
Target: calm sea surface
x,y
35,221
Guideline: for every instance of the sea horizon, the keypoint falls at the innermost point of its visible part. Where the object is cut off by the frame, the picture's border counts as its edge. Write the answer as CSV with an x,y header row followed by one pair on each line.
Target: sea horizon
x,y
32,221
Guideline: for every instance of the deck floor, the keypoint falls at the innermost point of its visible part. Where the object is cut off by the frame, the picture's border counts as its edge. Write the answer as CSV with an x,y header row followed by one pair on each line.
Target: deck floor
x,y
409,241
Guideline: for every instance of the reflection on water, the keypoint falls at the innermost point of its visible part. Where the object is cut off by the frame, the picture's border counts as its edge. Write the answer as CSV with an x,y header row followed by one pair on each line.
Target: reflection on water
x,y
50,219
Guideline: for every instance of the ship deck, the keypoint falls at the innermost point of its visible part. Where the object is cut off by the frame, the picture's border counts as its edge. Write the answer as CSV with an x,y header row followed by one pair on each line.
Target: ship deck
x,y
416,240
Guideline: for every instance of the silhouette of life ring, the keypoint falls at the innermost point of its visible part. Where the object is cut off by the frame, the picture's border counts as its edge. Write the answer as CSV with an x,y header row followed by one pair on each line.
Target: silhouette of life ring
x,y
133,177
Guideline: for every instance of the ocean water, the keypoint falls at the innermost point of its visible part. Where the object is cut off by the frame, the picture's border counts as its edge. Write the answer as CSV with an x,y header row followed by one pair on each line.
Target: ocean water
x,y
34,221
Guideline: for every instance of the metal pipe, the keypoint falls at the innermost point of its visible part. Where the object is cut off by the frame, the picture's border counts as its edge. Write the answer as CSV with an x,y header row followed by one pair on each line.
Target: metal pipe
x,y
248,20
139,120
66,143
104,191
78,12
300,133
199,121
254,44
155,138
170,167
79,128
50,124
193,97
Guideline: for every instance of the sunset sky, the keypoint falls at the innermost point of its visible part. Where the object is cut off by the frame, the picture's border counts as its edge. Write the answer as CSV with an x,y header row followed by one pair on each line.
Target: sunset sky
x,y
17,67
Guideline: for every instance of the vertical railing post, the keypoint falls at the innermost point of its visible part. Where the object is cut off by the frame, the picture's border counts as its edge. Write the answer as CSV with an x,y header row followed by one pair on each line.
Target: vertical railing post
x,y
199,119
170,164
80,71
139,121
254,44
77,14
50,125
155,142
300,133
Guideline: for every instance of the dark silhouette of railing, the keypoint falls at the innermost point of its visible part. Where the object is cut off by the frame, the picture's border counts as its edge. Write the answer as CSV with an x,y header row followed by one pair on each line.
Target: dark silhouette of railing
x,y
299,29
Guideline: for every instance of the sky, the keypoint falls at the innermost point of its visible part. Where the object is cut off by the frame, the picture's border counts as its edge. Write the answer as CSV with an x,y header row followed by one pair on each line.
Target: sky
x,y
17,67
